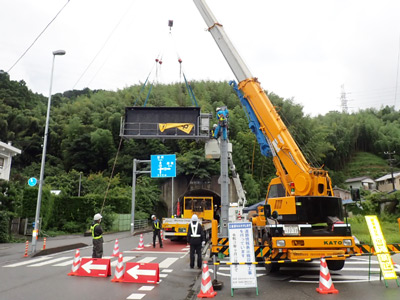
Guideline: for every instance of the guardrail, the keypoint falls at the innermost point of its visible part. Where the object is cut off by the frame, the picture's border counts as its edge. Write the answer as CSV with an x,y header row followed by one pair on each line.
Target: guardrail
x,y
141,224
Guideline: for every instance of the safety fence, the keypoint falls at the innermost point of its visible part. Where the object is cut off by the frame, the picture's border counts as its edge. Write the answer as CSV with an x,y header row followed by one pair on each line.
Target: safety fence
x,y
123,223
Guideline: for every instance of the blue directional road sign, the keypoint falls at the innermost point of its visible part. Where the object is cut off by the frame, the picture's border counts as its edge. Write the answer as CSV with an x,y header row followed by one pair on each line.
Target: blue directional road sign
x,y
32,181
163,165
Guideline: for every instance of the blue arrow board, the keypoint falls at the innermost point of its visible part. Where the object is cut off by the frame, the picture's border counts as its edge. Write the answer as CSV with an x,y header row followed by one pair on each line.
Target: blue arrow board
x,y
32,181
163,165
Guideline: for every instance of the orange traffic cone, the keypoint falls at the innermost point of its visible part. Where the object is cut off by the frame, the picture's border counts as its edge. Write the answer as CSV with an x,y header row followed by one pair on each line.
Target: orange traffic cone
x,y
116,249
206,290
119,270
44,244
75,264
141,242
26,248
162,235
325,280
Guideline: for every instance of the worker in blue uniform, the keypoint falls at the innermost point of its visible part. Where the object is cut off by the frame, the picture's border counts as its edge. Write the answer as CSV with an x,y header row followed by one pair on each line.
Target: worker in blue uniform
x,y
222,116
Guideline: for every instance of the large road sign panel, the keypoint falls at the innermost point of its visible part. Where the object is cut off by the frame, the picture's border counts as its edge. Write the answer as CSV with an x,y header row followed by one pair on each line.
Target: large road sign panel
x,y
163,165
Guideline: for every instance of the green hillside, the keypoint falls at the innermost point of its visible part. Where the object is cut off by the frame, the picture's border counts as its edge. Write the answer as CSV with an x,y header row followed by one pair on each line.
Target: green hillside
x,y
366,164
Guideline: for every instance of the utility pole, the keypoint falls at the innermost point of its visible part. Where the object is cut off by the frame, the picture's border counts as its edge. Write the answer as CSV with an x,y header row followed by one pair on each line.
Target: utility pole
x,y
343,100
391,165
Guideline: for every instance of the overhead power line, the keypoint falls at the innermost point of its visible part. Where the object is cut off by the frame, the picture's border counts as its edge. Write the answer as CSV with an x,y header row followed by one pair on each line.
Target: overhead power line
x,y
40,34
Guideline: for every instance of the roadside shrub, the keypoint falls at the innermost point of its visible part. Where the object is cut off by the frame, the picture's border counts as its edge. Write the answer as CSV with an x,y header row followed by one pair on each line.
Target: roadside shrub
x,y
4,227
72,227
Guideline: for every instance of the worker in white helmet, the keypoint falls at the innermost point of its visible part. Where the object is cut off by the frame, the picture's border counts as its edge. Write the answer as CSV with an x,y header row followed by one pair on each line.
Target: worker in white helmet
x,y
156,231
195,238
97,235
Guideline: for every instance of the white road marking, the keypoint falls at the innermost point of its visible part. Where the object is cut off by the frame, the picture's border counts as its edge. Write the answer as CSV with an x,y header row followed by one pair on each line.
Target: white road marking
x,y
27,262
153,252
147,259
163,275
47,262
146,288
65,263
136,296
125,259
167,270
338,278
167,262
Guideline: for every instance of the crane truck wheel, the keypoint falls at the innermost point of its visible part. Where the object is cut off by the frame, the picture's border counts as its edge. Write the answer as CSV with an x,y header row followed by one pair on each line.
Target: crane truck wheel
x,y
335,265
272,267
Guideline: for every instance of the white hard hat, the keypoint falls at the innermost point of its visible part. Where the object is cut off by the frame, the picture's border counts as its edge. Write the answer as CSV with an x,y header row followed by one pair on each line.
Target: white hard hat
x,y
153,216
218,108
195,218
97,217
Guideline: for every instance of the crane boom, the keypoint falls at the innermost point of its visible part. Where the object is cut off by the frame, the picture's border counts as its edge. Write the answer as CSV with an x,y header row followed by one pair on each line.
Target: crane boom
x,y
291,165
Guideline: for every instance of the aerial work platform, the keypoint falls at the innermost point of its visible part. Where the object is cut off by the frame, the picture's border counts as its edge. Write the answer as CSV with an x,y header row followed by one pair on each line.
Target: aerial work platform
x,y
165,123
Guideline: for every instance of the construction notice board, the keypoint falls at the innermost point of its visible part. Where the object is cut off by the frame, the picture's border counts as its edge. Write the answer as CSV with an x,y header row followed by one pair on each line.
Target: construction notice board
x,y
384,258
241,250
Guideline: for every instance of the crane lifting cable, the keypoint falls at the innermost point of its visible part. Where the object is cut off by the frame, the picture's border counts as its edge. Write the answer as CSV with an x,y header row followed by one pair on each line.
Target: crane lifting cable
x,y
158,64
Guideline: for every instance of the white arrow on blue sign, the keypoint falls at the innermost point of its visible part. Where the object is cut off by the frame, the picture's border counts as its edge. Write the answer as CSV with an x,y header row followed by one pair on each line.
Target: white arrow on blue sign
x,y
163,165
32,181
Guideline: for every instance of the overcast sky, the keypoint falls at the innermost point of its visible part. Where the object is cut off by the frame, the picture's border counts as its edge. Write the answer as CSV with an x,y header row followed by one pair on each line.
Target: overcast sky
x,y
303,50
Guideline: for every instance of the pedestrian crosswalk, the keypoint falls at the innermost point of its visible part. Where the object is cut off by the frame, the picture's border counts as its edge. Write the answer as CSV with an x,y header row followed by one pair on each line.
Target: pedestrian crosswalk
x,y
62,261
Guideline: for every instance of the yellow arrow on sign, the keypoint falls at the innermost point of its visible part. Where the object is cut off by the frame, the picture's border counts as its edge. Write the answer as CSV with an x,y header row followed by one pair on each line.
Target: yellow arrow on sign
x,y
185,127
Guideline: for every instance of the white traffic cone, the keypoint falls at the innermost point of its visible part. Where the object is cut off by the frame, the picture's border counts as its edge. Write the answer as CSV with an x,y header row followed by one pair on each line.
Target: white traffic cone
x,y
325,280
119,270
75,264
206,290
141,242
116,249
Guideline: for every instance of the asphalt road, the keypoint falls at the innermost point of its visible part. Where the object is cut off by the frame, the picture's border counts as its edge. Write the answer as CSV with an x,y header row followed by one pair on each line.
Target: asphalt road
x,y
45,277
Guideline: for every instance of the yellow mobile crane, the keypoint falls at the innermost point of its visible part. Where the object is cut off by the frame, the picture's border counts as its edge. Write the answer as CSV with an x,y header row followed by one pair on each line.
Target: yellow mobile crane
x,y
303,219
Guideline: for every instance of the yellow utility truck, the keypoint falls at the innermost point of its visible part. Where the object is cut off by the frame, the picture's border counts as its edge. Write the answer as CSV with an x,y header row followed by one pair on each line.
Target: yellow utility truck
x,y
177,227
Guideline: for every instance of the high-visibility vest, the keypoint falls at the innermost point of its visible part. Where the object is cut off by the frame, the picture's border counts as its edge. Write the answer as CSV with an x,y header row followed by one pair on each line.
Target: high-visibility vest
x,y
92,229
156,224
194,229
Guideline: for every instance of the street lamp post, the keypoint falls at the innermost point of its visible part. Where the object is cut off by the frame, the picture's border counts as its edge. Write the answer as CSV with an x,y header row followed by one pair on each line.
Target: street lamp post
x,y
35,232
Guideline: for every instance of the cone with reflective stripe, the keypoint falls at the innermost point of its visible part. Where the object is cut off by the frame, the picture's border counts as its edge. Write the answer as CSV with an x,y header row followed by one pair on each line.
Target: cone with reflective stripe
x,y
325,280
26,248
162,235
206,290
141,242
75,264
116,249
119,270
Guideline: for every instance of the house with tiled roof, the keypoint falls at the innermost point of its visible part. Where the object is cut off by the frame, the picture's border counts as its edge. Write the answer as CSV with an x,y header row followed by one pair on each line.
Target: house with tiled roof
x,y
363,182
6,153
385,183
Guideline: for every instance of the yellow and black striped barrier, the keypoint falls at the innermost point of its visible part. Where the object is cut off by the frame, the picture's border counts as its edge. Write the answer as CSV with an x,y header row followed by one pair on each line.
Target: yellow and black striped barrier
x,y
264,251
283,261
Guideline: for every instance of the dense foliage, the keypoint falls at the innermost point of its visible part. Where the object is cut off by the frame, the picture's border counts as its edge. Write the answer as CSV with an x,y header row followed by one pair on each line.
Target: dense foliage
x,y
84,139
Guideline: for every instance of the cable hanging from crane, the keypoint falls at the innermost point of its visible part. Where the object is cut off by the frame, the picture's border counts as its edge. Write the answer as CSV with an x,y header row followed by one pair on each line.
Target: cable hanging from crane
x,y
158,64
